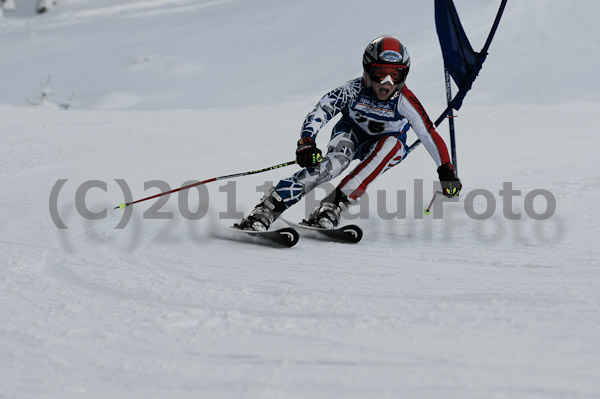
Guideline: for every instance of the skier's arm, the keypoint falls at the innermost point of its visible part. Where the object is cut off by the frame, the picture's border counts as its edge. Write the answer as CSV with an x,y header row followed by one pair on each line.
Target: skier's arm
x,y
329,106
423,127
410,106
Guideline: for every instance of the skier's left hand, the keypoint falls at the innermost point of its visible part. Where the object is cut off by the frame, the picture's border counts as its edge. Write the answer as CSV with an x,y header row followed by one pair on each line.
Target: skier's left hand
x,y
451,184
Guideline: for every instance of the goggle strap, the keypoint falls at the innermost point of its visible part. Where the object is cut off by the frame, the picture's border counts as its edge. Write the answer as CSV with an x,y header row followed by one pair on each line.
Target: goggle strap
x,y
388,65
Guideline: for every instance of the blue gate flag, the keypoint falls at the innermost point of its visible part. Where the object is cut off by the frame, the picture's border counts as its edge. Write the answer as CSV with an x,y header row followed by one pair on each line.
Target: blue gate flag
x,y
460,60
463,64
458,54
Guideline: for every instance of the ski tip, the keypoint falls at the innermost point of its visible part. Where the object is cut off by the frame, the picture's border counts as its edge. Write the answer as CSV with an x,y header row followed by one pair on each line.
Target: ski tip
x,y
286,236
291,234
353,233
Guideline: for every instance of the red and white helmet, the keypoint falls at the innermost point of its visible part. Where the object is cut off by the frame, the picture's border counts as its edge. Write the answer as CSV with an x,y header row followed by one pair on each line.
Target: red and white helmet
x,y
386,59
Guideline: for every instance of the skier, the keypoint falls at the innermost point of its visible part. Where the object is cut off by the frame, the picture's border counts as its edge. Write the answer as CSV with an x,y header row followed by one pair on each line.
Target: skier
x,y
377,111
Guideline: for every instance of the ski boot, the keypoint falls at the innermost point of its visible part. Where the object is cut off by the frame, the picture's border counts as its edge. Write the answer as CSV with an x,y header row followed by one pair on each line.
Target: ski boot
x,y
264,214
328,214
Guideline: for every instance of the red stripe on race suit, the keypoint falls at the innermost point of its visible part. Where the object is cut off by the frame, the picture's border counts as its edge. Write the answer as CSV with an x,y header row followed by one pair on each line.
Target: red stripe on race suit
x,y
361,165
362,187
378,170
439,142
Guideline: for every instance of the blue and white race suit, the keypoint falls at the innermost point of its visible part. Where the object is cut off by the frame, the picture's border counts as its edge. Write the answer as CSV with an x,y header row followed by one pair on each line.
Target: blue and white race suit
x,y
371,130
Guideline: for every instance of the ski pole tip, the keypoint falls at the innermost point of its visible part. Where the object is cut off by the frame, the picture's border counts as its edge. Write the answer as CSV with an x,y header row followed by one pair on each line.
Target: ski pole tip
x,y
122,205
427,212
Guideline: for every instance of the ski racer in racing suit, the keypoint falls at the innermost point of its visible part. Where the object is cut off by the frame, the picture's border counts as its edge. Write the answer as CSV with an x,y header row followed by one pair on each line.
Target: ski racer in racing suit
x,y
377,111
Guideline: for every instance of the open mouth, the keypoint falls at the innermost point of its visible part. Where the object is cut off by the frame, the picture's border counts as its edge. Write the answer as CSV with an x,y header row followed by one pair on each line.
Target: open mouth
x,y
384,91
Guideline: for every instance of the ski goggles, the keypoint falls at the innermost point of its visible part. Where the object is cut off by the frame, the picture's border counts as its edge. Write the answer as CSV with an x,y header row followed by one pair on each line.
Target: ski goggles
x,y
378,72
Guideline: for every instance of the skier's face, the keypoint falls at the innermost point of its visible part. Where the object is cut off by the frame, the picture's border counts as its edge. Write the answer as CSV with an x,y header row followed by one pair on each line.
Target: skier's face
x,y
384,91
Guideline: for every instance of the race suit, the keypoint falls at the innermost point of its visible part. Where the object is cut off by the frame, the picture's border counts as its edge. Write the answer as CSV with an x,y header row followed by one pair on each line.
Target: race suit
x,y
371,130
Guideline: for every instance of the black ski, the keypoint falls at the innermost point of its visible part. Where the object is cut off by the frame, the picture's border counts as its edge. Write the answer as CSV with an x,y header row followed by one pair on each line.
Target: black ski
x,y
350,233
285,237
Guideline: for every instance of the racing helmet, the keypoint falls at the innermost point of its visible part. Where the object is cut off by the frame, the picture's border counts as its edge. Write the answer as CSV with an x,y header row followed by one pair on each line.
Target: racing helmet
x,y
386,58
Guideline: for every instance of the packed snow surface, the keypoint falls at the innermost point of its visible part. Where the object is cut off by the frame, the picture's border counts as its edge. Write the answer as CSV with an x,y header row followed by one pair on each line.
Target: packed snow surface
x,y
498,297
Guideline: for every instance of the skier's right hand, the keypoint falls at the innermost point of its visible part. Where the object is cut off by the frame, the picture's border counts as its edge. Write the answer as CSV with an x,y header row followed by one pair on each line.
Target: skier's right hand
x,y
307,153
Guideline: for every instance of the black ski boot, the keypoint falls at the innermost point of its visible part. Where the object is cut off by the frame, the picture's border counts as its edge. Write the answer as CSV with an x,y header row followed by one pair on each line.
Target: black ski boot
x,y
264,214
328,214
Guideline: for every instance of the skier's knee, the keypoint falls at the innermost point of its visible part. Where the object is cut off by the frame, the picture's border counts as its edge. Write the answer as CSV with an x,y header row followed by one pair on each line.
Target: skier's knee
x,y
336,164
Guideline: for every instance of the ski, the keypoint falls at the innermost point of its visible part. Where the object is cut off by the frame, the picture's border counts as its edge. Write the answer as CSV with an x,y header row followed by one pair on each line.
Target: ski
x,y
350,233
285,237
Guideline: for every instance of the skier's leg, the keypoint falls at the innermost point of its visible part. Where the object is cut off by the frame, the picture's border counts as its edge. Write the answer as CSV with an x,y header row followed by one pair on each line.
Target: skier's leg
x,y
340,152
384,154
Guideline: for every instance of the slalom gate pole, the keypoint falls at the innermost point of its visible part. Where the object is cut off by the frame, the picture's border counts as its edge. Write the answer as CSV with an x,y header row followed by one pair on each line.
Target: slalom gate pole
x,y
253,172
451,120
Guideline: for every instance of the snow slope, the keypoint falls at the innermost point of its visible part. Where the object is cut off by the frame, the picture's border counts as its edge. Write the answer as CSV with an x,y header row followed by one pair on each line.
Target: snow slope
x,y
448,307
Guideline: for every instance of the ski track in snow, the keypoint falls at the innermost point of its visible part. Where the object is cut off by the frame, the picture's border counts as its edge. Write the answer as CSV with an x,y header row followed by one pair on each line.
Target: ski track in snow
x,y
422,307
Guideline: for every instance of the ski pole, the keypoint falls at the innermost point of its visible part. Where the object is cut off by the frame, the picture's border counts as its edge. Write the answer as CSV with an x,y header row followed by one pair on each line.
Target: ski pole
x,y
122,205
428,210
